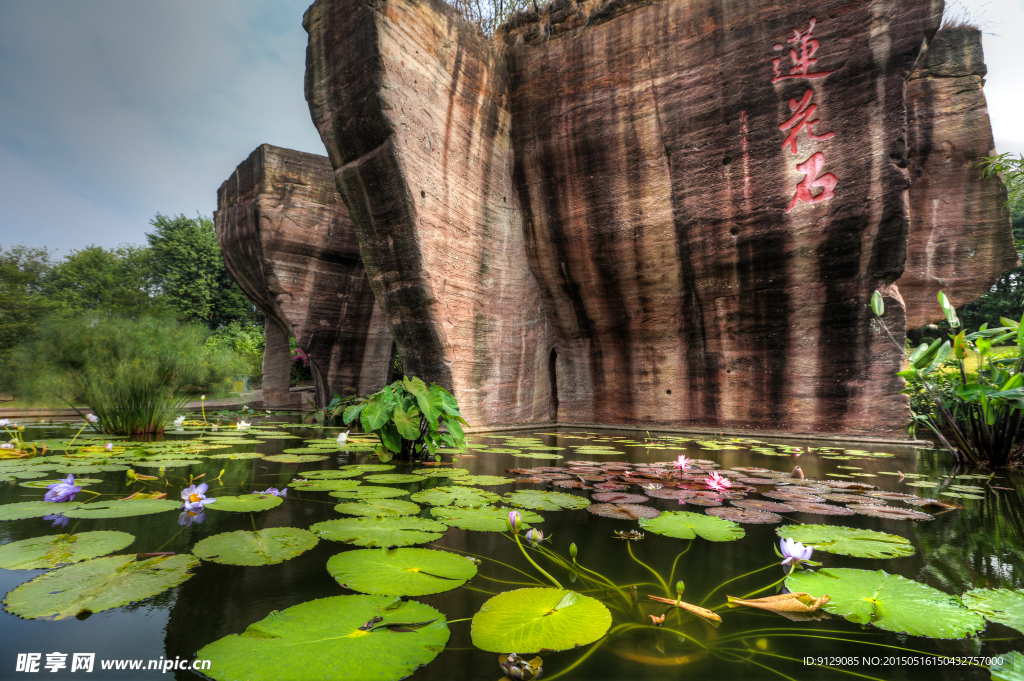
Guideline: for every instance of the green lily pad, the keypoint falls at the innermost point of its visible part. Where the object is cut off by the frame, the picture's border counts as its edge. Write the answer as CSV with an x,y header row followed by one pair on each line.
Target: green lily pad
x,y
166,463
54,550
532,620
97,585
294,458
889,602
687,525
482,480
323,485
378,507
401,572
246,503
237,455
35,509
997,605
368,467
370,493
1008,667
381,532
393,478
485,519
331,475
540,500
43,484
455,496
328,639
441,472
263,547
122,508
848,541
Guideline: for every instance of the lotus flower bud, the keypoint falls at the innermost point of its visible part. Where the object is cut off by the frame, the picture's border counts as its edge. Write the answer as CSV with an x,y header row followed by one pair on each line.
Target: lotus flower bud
x,y
514,522
679,588
572,550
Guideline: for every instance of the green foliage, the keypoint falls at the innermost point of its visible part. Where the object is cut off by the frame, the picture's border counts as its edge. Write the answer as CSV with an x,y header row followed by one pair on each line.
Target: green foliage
x,y
401,572
134,374
531,620
61,549
120,281
407,417
23,297
264,547
192,276
848,541
244,339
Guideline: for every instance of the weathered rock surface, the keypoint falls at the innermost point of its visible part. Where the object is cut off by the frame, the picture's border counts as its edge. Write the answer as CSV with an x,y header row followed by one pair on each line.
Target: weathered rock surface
x,y
289,243
637,212
959,240
412,105
277,365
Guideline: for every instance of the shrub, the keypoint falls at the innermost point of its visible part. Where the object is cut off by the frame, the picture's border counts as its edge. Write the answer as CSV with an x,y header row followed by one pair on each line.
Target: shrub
x,y
132,373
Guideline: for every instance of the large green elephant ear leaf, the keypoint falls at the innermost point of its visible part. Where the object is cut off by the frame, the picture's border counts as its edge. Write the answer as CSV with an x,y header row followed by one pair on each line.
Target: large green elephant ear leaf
x,y
59,549
246,503
848,541
687,525
531,620
401,572
383,532
539,500
465,497
998,605
332,639
889,602
122,508
263,547
1008,667
486,519
97,585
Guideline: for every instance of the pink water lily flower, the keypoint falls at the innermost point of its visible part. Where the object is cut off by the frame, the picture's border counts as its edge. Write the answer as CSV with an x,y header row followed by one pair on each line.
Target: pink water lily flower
x,y
794,552
65,490
195,497
717,482
682,463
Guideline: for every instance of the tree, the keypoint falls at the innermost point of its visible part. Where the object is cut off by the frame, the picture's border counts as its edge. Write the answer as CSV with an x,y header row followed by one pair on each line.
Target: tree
x,y
23,300
192,275
118,281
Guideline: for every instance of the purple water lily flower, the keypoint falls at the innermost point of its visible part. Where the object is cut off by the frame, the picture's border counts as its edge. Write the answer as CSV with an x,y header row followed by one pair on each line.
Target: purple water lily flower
x,y
4,423
195,497
109,446
514,522
65,490
275,492
535,536
794,552
186,518
59,519
92,418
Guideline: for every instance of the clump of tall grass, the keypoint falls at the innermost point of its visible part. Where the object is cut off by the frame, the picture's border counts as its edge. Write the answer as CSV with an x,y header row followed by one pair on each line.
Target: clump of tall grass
x,y
134,374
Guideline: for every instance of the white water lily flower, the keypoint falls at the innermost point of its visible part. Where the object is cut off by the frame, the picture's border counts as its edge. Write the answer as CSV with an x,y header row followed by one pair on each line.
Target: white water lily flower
x,y
179,422
242,424
343,437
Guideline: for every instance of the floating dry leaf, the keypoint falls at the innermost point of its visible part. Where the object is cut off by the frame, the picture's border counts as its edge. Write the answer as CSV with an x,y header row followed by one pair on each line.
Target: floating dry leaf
x,y
796,601
689,607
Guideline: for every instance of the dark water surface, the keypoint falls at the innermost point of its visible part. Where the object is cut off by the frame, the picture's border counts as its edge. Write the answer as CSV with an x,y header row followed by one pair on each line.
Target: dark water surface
x,y
981,545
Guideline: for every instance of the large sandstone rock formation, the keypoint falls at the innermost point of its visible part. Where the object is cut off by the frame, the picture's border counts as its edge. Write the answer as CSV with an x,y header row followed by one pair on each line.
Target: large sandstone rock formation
x,y
289,243
958,237
642,212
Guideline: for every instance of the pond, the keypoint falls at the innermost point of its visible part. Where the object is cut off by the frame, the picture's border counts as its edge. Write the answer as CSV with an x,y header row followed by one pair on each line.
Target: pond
x,y
978,544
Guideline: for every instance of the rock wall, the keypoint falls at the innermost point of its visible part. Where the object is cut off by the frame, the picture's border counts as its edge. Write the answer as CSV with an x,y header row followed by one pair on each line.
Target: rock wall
x,y
647,212
959,240
289,243
412,105
277,365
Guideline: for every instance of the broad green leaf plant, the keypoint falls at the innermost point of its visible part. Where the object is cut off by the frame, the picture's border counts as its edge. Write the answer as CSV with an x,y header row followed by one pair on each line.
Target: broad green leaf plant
x,y
978,420
411,420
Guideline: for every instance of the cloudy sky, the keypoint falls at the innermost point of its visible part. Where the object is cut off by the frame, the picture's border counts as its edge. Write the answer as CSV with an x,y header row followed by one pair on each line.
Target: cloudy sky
x,y
114,110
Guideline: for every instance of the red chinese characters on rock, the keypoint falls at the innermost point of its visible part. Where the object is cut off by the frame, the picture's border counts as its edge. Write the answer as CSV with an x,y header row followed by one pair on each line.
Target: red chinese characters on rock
x,y
803,47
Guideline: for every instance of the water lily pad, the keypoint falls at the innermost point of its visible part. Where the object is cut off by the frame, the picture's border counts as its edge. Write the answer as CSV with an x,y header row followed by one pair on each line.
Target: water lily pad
x,y
165,463
455,496
800,497
687,525
539,500
361,468
97,585
889,512
889,602
401,572
246,503
332,639
759,505
668,493
619,498
43,484
369,493
482,480
237,455
820,508
623,511
334,475
35,509
486,519
997,605
743,515
54,550
535,620
1008,667
441,472
382,532
122,508
393,478
378,507
320,485
848,541
263,547
294,458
